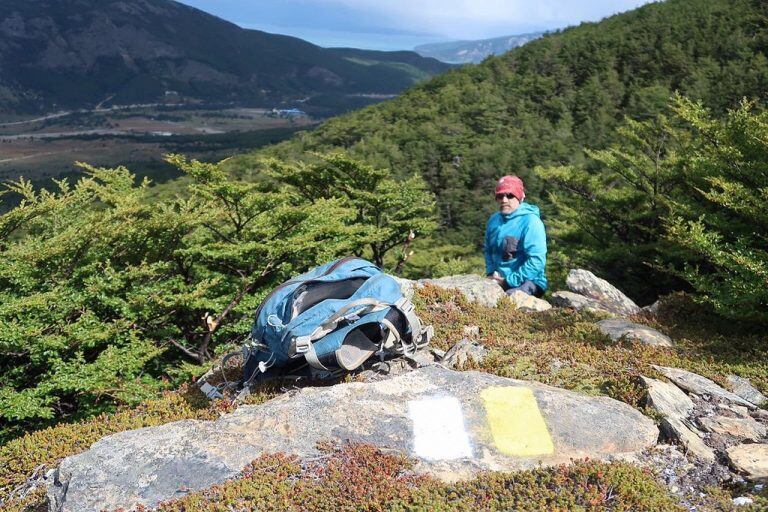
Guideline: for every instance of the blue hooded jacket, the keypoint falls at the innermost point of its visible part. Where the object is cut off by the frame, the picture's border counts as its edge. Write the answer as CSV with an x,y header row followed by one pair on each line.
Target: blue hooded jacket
x,y
516,246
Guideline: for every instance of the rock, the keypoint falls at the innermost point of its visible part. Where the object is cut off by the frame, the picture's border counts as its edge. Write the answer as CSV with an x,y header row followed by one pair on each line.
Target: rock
x,y
742,500
741,428
455,424
760,414
474,287
588,284
466,349
667,399
750,459
653,309
700,385
743,388
675,406
618,328
528,303
564,299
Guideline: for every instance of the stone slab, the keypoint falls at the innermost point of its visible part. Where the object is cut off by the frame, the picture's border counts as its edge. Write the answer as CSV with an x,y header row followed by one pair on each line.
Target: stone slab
x,y
150,465
695,383
751,460
619,328
588,284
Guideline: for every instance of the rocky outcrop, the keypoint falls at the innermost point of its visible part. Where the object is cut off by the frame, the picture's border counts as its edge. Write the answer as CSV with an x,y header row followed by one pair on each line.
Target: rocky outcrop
x,y
743,388
618,328
675,408
694,383
711,423
474,287
528,303
453,423
595,294
565,299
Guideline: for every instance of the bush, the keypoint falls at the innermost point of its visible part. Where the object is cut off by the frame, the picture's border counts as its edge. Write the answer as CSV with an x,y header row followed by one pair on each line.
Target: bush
x,y
102,292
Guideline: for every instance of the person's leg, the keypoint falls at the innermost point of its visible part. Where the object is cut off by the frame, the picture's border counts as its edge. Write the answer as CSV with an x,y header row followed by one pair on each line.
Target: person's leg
x,y
528,287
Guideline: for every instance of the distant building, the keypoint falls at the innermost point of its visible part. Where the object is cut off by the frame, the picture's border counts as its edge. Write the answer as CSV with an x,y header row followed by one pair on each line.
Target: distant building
x,y
288,112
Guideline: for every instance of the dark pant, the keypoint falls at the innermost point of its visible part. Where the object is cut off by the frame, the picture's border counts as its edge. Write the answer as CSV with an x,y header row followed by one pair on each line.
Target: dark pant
x,y
528,287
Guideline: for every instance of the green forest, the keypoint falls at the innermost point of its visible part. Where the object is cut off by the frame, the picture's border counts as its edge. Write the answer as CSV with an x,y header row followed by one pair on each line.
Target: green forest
x,y
643,138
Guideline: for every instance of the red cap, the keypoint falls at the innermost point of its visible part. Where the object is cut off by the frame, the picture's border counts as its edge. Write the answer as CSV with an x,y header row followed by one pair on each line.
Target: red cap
x,y
511,185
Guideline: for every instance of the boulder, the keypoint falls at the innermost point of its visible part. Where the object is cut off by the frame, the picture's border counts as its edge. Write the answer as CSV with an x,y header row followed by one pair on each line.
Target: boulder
x,y
750,459
564,299
528,303
743,388
454,424
611,298
740,428
618,328
475,288
694,383
675,407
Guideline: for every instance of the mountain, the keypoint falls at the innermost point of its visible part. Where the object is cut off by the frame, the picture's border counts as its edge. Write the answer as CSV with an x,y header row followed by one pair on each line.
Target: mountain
x,y
81,53
466,52
542,103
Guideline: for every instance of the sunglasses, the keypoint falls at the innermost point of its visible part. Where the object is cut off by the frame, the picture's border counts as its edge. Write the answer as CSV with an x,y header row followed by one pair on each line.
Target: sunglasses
x,y
499,197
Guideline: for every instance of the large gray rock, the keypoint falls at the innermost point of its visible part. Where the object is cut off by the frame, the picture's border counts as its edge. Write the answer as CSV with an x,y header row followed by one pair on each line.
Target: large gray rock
x,y
675,407
475,288
588,284
565,299
695,383
454,424
618,328
743,388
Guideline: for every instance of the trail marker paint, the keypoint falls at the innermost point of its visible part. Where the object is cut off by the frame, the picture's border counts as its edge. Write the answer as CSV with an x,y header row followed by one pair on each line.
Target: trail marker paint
x,y
517,426
438,429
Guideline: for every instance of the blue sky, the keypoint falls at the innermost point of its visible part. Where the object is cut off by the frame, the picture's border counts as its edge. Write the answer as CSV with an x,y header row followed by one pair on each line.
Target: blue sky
x,y
402,24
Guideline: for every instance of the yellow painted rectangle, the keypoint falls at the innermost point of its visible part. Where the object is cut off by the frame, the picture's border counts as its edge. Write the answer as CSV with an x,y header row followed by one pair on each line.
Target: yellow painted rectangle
x,y
517,425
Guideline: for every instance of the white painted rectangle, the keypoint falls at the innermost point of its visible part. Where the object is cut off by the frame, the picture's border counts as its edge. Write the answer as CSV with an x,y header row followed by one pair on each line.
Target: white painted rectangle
x,y
438,429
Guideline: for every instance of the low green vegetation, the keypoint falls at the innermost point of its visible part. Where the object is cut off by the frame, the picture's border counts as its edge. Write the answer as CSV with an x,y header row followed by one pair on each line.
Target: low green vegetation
x,y
559,347
360,477
104,294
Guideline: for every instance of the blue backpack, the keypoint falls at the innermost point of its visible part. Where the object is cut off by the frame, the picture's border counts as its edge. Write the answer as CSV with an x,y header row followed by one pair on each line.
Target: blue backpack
x,y
333,318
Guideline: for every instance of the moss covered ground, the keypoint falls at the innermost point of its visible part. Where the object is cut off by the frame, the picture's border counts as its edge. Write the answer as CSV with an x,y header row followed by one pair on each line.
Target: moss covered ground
x,y
560,347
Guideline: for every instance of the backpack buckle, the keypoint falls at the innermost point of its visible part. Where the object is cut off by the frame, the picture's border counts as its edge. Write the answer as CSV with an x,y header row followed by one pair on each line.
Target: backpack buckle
x,y
301,344
404,305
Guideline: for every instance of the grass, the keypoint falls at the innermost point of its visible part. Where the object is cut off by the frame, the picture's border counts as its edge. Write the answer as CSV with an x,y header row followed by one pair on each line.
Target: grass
x,y
559,347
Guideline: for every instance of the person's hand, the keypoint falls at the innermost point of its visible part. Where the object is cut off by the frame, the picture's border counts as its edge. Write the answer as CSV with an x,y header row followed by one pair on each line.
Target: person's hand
x,y
496,277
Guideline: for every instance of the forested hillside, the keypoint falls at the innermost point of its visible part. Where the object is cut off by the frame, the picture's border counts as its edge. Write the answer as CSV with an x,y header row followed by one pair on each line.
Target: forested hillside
x,y
544,103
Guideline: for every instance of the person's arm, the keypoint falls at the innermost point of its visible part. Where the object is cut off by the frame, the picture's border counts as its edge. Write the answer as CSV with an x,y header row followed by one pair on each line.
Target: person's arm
x,y
535,248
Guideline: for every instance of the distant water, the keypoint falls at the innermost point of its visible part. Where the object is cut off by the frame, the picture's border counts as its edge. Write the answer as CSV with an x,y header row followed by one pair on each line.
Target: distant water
x,y
364,40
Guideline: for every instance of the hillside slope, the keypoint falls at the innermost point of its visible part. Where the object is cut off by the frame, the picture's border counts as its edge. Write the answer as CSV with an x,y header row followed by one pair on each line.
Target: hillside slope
x,y
81,53
542,103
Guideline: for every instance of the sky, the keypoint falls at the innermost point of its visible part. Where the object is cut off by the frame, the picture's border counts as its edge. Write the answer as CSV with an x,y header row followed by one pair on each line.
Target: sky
x,y
403,24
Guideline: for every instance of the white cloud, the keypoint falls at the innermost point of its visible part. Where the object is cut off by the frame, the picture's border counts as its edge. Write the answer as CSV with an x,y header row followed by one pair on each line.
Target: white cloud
x,y
482,18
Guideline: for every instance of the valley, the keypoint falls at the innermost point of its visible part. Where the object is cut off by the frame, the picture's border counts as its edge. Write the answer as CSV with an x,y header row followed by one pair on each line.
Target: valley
x,y
137,136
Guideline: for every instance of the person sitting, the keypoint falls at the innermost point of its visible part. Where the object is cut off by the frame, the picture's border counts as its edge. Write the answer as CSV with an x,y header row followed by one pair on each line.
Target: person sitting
x,y
515,241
